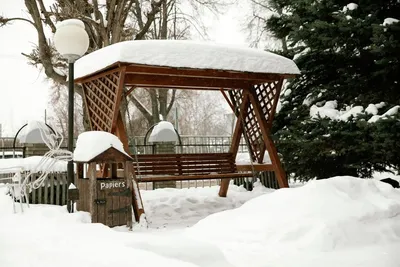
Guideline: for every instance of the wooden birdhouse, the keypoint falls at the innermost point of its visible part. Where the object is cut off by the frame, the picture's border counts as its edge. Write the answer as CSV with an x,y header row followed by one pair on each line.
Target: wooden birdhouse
x,y
105,180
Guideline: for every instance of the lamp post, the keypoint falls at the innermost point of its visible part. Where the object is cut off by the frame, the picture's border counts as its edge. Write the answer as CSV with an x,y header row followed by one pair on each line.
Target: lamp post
x,y
71,41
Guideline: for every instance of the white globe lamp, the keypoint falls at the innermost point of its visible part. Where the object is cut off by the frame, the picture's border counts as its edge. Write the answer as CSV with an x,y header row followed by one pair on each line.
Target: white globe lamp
x,y
71,39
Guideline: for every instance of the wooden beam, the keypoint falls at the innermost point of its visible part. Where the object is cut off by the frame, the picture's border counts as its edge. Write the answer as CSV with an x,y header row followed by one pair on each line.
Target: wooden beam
x,y
118,98
227,100
237,134
165,81
205,73
222,176
270,146
121,132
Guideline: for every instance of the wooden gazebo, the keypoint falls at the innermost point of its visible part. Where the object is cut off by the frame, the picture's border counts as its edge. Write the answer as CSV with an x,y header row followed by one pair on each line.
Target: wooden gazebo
x,y
250,80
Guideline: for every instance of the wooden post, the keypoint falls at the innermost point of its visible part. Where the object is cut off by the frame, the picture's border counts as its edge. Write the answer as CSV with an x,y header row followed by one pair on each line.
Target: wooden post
x,y
137,202
92,191
121,133
223,190
280,173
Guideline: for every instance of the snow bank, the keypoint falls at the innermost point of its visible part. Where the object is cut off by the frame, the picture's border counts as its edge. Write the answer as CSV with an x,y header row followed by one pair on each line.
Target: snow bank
x,y
174,208
92,143
52,233
31,163
341,215
185,54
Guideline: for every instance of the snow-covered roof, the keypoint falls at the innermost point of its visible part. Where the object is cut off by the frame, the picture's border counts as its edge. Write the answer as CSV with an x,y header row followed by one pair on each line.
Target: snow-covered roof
x,y
185,54
92,143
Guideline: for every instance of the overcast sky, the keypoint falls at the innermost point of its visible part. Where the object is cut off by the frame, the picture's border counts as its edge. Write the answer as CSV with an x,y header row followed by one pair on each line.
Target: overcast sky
x,y
23,88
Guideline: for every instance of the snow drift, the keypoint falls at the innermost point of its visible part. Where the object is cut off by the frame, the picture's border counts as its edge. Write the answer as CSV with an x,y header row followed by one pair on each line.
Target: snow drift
x,y
341,213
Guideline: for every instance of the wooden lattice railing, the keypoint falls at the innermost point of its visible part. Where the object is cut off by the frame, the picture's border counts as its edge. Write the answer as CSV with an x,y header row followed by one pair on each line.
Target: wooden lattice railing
x,y
101,96
265,94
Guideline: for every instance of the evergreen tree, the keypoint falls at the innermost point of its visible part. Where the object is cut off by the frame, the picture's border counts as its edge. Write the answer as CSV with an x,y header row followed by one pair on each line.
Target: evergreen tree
x,y
348,53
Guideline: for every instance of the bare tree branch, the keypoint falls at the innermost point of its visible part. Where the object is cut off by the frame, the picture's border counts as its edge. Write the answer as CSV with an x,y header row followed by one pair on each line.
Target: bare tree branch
x,y
140,107
155,8
171,102
4,21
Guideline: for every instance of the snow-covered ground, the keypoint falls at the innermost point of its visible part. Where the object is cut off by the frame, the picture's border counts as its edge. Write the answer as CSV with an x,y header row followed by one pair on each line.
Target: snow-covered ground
x,y
343,221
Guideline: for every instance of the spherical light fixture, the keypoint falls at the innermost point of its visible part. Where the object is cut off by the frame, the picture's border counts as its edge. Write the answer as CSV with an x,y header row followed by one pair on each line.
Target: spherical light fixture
x,y
71,39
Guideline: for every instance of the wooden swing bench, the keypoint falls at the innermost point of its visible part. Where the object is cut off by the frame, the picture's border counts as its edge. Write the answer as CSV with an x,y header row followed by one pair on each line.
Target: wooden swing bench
x,y
177,167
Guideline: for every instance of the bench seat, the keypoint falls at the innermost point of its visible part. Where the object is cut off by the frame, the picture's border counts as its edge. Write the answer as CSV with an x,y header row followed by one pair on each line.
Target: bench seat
x,y
176,167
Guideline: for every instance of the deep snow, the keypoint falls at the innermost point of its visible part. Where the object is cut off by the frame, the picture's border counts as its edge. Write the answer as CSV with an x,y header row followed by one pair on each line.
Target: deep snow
x,y
343,221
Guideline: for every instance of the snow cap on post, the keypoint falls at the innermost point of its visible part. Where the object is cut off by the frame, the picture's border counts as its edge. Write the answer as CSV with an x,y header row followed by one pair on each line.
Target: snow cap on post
x,y
164,131
93,143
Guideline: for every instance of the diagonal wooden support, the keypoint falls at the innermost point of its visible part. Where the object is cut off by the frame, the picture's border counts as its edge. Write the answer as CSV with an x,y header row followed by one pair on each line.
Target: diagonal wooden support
x,y
223,190
270,146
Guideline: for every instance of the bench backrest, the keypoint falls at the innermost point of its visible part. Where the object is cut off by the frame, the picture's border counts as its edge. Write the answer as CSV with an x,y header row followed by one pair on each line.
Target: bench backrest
x,y
185,164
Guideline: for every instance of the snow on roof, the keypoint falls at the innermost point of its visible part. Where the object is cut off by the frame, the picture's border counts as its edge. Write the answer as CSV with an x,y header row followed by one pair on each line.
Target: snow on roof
x,y
164,131
92,143
185,54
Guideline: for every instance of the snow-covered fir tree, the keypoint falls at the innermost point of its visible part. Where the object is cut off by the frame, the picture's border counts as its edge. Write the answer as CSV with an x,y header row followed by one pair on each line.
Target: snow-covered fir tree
x,y
341,116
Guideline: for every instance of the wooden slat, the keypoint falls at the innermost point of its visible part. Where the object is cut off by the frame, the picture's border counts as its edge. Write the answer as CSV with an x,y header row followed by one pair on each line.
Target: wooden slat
x,y
110,206
51,180
186,163
64,190
98,116
193,177
186,72
194,155
184,167
91,93
34,193
180,82
40,194
46,191
57,185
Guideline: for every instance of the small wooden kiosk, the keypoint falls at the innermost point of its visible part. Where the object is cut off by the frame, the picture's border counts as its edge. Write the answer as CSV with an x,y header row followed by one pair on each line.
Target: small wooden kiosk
x,y
112,198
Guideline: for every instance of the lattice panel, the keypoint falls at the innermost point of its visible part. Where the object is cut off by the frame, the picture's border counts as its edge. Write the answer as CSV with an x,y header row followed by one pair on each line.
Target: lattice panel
x,y
251,126
101,98
265,94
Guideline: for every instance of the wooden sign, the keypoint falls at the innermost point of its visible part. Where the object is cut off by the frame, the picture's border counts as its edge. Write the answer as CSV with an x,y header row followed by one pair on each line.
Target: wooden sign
x,y
106,185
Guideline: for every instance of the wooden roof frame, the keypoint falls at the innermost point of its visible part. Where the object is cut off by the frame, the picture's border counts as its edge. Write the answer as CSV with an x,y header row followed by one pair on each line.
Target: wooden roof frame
x,y
252,96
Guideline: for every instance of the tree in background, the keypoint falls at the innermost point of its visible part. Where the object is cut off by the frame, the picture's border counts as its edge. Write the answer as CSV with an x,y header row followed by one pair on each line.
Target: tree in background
x,y
108,22
340,117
